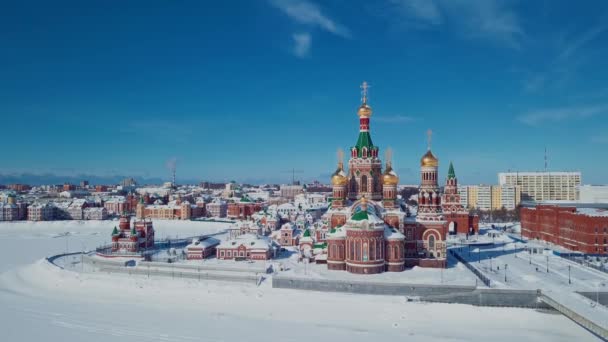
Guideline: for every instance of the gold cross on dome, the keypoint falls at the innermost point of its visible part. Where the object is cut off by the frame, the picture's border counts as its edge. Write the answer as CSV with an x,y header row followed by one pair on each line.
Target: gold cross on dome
x,y
364,87
429,138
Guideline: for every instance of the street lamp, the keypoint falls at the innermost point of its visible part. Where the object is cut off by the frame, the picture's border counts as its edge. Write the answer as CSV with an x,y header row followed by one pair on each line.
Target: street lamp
x,y
506,265
547,264
569,279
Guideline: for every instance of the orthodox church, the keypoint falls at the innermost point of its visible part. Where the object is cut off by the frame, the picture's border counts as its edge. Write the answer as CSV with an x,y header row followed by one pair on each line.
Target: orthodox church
x,y
369,232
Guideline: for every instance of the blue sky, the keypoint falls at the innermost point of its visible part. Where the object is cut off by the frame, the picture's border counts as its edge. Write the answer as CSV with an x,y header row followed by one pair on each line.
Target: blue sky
x,y
248,90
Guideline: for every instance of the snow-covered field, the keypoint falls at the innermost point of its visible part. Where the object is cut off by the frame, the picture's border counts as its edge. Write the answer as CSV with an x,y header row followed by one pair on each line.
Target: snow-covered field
x,y
39,301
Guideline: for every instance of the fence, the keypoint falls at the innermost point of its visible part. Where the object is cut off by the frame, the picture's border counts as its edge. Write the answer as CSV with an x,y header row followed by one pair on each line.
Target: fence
x,y
250,273
581,261
576,317
471,268
159,245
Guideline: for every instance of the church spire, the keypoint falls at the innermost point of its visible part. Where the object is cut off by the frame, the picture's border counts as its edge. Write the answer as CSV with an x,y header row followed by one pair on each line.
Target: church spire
x,y
451,173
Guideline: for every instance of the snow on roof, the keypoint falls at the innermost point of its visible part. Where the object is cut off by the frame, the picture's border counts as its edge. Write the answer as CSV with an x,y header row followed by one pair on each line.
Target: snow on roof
x,y
595,212
250,241
392,234
206,243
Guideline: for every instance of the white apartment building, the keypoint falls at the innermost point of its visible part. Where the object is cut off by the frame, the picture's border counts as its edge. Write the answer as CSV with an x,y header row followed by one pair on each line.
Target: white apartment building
x,y
464,195
593,193
544,186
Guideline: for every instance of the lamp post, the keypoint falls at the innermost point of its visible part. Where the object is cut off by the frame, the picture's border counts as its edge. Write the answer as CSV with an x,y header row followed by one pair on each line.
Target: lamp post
x,y
506,265
569,279
547,264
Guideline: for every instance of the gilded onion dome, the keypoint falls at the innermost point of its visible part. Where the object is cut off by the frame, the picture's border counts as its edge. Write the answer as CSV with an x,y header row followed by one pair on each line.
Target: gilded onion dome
x,y
339,177
390,177
365,111
428,159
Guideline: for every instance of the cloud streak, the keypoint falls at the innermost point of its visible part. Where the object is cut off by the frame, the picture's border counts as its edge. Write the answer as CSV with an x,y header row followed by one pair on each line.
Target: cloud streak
x,y
302,44
472,19
308,13
536,117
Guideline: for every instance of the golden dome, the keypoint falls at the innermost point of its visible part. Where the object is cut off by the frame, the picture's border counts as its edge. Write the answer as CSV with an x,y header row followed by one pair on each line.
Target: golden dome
x,y
390,177
428,159
339,177
364,111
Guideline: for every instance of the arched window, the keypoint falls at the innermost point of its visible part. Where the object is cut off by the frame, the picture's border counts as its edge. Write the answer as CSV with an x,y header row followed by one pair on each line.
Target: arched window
x,y
364,183
332,253
396,251
365,252
372,250
432,242
358,250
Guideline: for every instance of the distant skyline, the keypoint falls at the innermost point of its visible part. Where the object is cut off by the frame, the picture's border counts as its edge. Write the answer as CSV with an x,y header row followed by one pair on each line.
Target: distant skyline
x,y
248,90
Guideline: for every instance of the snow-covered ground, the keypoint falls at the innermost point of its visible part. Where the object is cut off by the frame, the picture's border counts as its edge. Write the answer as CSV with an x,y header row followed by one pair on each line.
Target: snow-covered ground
x,y
39,301
529,271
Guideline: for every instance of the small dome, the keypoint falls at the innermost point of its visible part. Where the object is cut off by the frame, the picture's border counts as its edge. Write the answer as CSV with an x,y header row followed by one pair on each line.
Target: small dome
x,y
390,177
339,177
364,111
428,159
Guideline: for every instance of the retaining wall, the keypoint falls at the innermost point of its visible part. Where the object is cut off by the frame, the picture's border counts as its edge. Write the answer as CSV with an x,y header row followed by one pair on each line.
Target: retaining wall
x,y
430,293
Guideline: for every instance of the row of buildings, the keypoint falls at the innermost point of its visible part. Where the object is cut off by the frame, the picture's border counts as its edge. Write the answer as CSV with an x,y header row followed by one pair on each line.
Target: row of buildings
x,y
575,226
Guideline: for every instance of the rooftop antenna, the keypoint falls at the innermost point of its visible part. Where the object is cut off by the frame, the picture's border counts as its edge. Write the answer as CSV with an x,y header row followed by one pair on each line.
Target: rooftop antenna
x,y
545,158
172,166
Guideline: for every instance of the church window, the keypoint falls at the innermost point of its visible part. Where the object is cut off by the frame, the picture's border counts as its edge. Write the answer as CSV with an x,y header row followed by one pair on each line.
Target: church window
x,y
365,252
364,183
432,242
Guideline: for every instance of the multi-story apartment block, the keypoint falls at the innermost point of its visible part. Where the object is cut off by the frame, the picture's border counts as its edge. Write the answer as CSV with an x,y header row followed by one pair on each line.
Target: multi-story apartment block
x,y
40,212
544,186
217,208
94,214
490,197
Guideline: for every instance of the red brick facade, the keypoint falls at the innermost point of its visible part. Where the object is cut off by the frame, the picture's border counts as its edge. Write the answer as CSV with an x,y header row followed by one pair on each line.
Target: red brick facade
x,y
583,231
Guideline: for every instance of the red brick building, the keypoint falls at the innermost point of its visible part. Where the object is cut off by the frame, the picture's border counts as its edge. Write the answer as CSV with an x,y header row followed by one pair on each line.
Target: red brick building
x,y
243,209
578,229
199,250
245,247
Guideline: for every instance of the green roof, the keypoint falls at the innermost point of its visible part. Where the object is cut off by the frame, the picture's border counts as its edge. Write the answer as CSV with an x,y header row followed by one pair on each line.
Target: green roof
x,y
333,230
364,140
451,173
245,199
306,233
133,232
360,216
115,231
320,245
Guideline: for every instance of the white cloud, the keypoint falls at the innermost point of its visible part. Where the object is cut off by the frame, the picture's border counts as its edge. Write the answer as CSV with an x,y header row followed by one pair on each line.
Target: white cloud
x,y
394,119
565,61
423,10
302,43
536,117
485,19
308,13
